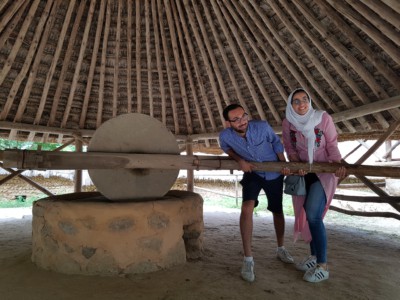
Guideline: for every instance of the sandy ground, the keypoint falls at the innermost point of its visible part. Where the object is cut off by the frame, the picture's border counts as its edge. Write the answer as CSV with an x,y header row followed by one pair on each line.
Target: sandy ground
x,y
364,264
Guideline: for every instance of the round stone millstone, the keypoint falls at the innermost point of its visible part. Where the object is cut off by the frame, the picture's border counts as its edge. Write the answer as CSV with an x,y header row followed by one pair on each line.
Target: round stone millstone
x,y
133,133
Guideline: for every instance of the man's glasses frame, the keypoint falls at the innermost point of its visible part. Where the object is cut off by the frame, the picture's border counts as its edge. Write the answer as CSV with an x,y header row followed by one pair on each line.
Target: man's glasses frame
x,y
238,120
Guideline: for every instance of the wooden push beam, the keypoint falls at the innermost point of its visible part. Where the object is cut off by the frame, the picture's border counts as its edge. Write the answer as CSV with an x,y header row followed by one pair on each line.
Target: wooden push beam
x,y
50,160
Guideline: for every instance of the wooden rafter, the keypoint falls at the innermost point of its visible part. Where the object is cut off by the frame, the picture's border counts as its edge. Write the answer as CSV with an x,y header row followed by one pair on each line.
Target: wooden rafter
x,y
54,61
129,57
100,103
33,73
257,17
367,109
149,58
223,17
382,67
64,69
138,59
116,61
174,42
375,34
258,47
300,38
2,5
95,51
202,42
5,34
395,5
78,65
21,36
381,24
346,54
226,60
190,77
293,57
338,117
251,65
183,61
158,58
210,53
7,17
168,68
384,12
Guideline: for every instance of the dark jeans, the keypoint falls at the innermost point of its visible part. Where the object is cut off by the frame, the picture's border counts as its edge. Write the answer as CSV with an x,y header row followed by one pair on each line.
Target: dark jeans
x,y
314,207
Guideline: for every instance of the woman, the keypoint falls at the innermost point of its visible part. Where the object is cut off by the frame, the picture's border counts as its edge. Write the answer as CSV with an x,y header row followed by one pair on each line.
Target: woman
x,y
309,135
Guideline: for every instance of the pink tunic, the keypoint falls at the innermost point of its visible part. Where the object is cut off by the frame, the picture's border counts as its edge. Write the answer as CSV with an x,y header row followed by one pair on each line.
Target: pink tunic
x,y
326,150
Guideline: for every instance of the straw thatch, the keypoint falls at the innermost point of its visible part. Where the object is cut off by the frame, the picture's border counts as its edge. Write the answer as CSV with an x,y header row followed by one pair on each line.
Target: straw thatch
x,y
68,66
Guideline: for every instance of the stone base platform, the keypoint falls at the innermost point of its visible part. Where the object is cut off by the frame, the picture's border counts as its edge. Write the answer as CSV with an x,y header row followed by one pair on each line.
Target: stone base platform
x,y
84,233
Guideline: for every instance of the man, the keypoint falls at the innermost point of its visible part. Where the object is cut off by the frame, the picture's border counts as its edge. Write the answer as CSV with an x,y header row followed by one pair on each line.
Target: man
x,y
246,141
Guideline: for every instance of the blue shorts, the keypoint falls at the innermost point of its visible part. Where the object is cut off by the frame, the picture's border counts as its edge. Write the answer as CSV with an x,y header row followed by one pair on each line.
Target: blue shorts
x,y
252,185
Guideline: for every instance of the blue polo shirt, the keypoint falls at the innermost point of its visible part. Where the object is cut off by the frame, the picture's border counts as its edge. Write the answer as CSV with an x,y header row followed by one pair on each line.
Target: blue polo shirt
x,y
260,145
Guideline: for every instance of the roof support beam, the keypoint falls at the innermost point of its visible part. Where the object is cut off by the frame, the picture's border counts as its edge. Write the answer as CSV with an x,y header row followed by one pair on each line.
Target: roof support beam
x,y
34,68
100,103
178,66
227,62
337,117
95,51
158,59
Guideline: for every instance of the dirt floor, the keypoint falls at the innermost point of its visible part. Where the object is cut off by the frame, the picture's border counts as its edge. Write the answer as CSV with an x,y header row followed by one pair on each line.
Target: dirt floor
x,y
364,264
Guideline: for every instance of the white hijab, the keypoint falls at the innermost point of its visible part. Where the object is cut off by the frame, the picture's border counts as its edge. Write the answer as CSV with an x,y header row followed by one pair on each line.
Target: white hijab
x,y
304,123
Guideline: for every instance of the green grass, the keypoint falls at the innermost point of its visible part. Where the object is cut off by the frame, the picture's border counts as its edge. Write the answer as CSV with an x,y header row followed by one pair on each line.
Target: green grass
x,y
214,200
230,202
6,203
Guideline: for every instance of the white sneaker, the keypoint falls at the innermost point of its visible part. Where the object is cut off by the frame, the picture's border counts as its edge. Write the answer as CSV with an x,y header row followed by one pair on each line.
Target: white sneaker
x,y
307,263
316,274
284,255
248,271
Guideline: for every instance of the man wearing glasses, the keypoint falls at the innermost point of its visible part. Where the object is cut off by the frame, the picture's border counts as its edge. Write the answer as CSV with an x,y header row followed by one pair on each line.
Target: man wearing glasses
x,y
254,141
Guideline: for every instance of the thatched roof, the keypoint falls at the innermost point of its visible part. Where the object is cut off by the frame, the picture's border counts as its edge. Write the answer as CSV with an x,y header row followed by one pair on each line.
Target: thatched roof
x,y
68,66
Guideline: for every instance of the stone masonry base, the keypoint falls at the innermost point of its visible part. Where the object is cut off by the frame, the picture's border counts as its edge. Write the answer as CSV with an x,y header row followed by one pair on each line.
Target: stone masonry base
x,y
84,233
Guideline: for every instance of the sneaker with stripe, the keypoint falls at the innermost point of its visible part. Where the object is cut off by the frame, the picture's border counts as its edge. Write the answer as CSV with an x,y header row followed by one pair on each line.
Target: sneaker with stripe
x,y
316,274
307,263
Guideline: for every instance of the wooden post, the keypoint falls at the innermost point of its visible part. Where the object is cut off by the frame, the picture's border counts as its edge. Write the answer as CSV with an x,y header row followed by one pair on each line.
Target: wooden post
x,y
388,145
190,172
78,173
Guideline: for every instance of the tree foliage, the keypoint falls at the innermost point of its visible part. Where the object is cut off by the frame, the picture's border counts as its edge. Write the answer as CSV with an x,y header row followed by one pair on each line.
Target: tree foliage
x,y
8,144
